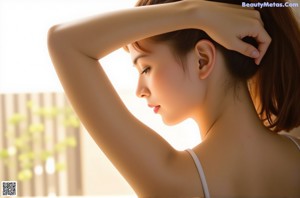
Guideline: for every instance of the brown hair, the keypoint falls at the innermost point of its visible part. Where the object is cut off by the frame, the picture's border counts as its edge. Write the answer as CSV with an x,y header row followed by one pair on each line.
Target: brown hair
x,y
273,84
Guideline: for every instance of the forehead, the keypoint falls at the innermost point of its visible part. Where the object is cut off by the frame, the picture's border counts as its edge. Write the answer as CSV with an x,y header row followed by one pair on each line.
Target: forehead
x,y
144,47
152,49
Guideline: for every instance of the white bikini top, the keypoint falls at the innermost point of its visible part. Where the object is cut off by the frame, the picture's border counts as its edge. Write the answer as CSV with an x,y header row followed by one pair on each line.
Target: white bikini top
x,y
201,172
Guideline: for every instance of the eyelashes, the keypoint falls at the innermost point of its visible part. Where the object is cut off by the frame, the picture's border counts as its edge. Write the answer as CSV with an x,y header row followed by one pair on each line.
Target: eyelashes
x,y
146,70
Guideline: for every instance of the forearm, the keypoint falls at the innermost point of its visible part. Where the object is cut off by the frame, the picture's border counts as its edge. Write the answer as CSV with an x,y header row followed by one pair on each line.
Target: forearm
x,y
97,36
75,49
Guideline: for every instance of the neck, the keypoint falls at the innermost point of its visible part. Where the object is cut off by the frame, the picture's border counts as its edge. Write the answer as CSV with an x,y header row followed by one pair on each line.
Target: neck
x,y
232,116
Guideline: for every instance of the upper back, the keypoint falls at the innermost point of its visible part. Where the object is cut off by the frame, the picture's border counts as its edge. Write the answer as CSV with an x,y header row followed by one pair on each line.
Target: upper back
x,y
272,171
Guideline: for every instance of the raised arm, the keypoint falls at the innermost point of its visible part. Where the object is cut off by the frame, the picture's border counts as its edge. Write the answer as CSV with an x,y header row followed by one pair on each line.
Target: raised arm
x,y
143,157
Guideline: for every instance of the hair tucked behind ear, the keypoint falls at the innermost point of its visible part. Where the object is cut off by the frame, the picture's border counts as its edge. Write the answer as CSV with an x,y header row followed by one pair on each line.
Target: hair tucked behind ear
x,y
273,84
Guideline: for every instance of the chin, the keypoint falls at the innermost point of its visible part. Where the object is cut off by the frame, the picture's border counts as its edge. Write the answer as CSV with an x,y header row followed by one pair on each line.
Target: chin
x,y
171,121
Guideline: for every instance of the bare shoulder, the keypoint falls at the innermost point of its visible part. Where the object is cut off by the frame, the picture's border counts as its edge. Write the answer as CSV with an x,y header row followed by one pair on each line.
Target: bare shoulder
x,y
295,133
297,139
294,139
185,177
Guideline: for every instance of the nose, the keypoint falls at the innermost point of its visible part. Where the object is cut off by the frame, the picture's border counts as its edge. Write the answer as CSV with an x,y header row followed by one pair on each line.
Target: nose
x,y
142,90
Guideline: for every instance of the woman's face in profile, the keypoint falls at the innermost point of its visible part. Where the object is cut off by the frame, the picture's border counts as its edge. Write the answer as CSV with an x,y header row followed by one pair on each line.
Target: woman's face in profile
x,y
171,90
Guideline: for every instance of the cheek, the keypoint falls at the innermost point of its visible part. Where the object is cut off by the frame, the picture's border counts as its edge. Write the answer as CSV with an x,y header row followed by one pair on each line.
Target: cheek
x,y
175,92
167,83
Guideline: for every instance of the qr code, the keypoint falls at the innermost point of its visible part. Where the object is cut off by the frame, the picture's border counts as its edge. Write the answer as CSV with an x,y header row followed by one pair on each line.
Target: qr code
x,y
9,188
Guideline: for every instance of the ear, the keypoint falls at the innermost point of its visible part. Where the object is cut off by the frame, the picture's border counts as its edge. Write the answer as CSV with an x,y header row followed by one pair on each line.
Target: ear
x,y
206,53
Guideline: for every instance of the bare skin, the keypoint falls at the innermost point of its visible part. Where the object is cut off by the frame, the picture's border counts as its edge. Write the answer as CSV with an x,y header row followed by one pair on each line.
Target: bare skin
x,y
150,165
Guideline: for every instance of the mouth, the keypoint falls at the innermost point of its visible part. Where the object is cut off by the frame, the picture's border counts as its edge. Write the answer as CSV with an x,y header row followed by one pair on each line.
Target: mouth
x,y
155,108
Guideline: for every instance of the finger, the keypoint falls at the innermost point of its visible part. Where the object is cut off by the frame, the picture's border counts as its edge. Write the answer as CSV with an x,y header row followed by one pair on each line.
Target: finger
x,y
264,40
256,13
247,49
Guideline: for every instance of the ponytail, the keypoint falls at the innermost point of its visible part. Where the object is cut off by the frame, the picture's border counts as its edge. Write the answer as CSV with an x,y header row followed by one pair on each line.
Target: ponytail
x,y
276,84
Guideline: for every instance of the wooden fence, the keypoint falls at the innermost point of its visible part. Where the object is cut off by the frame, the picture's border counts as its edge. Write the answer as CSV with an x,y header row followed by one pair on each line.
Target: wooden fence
x,y
40,144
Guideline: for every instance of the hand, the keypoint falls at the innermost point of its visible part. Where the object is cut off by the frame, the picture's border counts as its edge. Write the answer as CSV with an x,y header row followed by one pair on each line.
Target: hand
x,y
228,24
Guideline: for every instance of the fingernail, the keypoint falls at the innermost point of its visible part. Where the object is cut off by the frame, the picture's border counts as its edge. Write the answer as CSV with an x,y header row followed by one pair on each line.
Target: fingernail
x,y
257,62
255,54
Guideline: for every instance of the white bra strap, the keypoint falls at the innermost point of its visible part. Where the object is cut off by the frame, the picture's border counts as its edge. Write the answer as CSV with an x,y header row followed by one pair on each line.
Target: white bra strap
x,y
293,139
201,172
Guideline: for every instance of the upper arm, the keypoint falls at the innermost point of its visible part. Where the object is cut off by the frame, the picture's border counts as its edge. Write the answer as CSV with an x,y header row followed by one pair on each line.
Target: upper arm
x,y
139,153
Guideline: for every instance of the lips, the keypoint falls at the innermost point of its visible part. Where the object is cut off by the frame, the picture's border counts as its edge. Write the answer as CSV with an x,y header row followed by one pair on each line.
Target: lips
x,y
155,108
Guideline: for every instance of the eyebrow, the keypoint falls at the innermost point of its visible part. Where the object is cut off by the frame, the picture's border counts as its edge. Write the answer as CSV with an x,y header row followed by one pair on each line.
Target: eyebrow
x,y
138,57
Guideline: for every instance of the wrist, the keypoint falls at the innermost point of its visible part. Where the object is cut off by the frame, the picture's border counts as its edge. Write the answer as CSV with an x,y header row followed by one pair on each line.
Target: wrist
x,y
195,15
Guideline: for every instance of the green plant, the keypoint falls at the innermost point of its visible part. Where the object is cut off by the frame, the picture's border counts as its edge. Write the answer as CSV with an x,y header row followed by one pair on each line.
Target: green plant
x,y
21,150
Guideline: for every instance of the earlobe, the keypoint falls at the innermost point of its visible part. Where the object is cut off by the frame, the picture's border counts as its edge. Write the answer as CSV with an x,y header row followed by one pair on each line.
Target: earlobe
x,y
206,53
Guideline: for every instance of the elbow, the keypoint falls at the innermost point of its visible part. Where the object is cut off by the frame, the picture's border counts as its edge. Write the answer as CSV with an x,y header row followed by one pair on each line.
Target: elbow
x,y
53,37
57,43
57,46
58,38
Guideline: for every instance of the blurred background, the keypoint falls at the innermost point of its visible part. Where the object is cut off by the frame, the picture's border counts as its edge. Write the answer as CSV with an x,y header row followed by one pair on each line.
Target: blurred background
x,y
43,146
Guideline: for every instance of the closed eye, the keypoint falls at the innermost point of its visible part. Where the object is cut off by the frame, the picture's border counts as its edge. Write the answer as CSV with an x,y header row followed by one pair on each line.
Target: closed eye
x,y
146,70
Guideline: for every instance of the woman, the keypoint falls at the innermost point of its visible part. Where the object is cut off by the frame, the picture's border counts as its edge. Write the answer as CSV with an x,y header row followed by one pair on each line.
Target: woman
x,y
184,73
